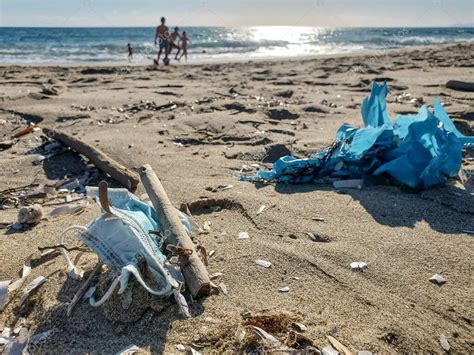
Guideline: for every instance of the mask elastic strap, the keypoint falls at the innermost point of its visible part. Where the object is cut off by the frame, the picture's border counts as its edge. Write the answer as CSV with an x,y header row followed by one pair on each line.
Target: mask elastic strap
x,y
107,295
72,270
132,269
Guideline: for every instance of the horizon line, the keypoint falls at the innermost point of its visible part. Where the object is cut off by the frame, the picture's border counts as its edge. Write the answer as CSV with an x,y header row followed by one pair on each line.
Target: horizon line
x,y
250,26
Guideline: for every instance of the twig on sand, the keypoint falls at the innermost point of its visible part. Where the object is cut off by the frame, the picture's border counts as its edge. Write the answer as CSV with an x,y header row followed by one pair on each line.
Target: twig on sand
x,y
82,290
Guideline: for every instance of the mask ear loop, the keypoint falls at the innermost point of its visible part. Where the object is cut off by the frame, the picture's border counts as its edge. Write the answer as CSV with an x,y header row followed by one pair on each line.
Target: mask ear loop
x,y
72,270
107,295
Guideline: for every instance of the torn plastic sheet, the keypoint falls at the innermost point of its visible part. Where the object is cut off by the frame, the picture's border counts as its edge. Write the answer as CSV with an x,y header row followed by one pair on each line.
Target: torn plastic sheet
x,y
419,151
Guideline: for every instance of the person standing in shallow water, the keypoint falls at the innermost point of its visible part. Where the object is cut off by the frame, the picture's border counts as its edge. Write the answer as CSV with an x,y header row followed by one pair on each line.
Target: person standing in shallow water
x,y
174,37
162,35
184,46
130,52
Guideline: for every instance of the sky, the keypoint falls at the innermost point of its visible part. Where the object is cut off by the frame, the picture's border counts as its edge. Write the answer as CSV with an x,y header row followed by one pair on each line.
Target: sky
x,y
319,13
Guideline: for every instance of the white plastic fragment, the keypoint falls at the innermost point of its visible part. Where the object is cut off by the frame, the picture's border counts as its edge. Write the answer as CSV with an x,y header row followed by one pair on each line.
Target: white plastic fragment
x,y
260,210
5,337
207,226
444,342
33,285
223,288
329,350
299,327
215,275
284,289
181,302
180,348
224,187
4,294
18,344
265,336
263,263
358,266
244,235
130,350
349,184
438,279
364,352
68,209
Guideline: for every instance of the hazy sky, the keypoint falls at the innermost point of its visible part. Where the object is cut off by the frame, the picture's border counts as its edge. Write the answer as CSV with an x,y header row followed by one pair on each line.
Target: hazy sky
x,y
328,13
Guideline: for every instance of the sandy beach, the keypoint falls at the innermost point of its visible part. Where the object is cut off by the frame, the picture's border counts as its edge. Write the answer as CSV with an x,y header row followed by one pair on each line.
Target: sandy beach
x,y
197,126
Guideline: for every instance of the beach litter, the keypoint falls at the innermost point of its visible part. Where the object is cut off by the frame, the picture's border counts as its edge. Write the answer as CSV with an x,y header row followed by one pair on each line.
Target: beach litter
x,y
444,343
129,238
419,151
348,184
284,289
31,287
437,279
260,209
244,235
329,350
358,266
263,263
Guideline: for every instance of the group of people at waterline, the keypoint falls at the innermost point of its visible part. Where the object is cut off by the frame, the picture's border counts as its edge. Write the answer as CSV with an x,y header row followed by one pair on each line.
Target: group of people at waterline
x,y
166,42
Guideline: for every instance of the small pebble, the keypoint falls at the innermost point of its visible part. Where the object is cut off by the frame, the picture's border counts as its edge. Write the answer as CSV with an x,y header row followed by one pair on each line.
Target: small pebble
x,y
284,289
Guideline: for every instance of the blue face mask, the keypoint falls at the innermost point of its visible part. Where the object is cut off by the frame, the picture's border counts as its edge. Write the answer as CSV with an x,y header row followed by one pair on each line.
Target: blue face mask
x,y
121,238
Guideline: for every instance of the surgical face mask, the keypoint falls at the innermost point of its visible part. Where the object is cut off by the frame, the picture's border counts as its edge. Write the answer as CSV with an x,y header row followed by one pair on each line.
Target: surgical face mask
x,y
125,238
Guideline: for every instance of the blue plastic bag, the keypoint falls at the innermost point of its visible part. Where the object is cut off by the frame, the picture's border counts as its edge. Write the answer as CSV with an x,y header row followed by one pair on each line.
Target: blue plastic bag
x,y
419,151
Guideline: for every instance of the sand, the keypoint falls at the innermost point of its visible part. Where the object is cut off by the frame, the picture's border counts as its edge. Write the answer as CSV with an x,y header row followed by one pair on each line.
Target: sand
x,y
221,122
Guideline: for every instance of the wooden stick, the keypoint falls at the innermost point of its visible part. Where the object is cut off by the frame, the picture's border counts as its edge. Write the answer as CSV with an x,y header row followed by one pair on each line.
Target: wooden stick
x,y
460,85
192,267
117,171
82,290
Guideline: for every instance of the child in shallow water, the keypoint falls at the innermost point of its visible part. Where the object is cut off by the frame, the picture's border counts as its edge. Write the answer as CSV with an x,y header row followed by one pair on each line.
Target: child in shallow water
x,y
184,46
130,52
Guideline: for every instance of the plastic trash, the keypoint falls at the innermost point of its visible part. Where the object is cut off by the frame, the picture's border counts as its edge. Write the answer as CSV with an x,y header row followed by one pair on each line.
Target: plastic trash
x,y
4,294
33,285
244,235
263,263
358,266
438,279
419,151
348,184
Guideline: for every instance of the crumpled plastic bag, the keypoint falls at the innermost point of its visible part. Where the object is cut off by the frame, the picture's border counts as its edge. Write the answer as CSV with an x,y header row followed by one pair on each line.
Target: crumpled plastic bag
x,y
419,151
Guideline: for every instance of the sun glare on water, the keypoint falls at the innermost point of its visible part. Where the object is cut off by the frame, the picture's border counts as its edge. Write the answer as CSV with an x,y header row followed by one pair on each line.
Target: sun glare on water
x,y
291,34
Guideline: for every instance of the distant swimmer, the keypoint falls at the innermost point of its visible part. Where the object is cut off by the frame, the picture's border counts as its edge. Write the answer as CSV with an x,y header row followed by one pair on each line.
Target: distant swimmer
x,y
162,35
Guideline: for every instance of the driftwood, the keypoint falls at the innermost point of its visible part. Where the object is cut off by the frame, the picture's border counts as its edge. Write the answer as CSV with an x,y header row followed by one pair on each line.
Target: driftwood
x,y
117,171
192,267
460,85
